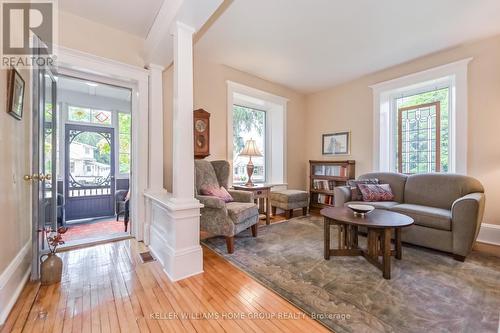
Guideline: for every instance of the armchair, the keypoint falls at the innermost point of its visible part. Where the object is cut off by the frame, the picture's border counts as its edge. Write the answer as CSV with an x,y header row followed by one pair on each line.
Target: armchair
x,y
122,206
219,218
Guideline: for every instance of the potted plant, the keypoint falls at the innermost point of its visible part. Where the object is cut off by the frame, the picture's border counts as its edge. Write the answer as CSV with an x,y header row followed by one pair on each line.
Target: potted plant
x,y
51,267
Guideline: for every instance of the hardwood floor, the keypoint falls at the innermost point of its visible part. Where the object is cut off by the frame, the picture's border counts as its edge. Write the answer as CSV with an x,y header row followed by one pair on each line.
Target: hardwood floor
x,y
106,288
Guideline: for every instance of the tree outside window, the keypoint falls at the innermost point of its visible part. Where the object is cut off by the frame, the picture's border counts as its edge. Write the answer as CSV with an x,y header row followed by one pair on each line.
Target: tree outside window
x,y
248,124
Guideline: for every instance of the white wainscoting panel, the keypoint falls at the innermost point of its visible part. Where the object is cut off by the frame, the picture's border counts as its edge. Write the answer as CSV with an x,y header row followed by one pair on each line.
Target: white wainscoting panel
x,y
13,279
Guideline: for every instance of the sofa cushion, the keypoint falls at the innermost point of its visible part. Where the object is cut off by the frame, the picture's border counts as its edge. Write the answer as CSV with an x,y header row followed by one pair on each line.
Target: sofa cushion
x,y
289,196
376,204
240,211
431,217
397,182
439,189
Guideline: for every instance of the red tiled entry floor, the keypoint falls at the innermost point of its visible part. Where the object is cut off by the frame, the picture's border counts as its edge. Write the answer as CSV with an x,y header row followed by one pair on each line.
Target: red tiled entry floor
x,y
91,230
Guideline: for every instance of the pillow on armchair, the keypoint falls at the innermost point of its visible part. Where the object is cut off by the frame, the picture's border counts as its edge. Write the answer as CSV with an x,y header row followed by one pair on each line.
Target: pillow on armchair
x,y
217,191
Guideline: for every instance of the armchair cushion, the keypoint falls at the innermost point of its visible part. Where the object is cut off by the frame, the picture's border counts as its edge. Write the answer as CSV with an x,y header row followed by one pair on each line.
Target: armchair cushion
x,y
241,211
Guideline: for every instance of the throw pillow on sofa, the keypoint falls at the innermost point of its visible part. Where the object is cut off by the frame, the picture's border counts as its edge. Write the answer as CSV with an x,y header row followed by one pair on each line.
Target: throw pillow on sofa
x,y
376,192
355,192
216,191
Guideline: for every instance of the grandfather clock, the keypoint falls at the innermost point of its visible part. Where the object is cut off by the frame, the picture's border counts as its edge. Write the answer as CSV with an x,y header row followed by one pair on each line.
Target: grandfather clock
x,y
201,119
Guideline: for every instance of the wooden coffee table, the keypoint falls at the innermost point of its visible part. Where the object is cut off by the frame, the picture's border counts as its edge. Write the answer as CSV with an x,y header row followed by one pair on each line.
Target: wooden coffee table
x,y
379,223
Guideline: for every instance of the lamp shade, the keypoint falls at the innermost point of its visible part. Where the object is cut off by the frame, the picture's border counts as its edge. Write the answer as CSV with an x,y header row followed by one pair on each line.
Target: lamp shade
x,y
250,149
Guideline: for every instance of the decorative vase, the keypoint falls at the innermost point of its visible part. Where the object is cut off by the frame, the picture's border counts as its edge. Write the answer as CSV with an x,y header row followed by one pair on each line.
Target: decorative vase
x,y
50,269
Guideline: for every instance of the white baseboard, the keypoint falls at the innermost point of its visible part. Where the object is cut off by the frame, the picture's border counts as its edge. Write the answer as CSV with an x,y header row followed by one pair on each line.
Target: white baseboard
x,y
13,279
489,234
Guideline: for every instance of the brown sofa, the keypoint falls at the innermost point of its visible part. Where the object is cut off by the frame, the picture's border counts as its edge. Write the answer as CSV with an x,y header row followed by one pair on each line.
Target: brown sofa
x,y
447,208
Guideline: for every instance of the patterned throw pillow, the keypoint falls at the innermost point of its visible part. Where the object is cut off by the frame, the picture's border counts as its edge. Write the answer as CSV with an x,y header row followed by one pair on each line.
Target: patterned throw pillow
x,y
376,192
355,192
216,191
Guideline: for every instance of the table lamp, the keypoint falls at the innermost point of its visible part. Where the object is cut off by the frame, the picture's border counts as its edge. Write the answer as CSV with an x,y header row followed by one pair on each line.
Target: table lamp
x,y
250,150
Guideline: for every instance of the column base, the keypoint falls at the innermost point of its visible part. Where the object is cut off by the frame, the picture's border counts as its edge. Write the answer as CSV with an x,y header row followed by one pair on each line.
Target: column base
x,y
175,235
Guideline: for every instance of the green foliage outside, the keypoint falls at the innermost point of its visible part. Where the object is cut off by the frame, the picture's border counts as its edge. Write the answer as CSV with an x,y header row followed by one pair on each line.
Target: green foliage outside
x,y
124,129
103,152
245,120
441,95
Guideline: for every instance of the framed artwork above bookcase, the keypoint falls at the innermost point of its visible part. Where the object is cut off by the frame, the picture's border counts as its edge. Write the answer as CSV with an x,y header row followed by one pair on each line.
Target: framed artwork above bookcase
x,y
324,176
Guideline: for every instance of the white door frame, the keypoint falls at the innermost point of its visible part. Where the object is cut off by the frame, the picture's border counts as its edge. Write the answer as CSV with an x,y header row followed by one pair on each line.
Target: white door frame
x,y
136,78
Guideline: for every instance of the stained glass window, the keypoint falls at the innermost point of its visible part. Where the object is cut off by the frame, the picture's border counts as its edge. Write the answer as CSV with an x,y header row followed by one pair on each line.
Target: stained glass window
x,y
419,138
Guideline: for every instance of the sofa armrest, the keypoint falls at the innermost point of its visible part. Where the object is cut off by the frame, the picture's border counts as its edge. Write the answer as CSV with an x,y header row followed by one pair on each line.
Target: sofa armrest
x,y
341,195
211,202
466,216
241,196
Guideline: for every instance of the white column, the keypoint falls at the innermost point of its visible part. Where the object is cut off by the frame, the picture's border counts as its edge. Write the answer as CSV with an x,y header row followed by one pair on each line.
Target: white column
x,y
155,128
183,151
175,217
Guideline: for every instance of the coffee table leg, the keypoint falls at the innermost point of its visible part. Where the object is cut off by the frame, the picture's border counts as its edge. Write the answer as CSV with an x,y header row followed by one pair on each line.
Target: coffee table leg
x,y
386,253
327,238
399,250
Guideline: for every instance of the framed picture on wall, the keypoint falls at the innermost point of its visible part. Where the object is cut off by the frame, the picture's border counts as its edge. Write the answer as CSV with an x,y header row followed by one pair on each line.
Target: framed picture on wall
x,y
337,143
15,94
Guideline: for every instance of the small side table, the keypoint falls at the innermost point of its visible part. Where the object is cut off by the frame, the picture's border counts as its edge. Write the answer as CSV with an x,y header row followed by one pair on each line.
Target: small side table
x,y
261,194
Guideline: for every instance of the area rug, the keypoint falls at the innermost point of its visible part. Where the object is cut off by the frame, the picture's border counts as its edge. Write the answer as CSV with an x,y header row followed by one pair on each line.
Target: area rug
x,y
429,291
93,229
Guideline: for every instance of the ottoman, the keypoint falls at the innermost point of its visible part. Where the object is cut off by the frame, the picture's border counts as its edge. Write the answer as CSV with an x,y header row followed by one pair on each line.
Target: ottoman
x,y
288,200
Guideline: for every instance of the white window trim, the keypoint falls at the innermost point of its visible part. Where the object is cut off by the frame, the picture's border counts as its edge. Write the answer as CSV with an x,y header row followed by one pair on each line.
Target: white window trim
x,y
383,92
232,88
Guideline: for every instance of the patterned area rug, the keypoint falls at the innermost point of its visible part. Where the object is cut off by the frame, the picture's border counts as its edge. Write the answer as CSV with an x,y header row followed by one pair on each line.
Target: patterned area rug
x,y
429,291
95,229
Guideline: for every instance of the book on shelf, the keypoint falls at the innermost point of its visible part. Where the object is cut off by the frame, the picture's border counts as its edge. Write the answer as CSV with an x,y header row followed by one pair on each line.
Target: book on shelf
x,y
330,170
325,199
323,184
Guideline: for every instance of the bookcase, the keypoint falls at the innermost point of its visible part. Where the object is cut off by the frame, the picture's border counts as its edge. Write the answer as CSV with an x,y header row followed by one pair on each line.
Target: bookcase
x,y
324,176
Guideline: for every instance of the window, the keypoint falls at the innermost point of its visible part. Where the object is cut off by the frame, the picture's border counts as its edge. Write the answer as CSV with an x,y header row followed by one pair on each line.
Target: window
x,y
420,121
85,115
422,134
124,130
248,123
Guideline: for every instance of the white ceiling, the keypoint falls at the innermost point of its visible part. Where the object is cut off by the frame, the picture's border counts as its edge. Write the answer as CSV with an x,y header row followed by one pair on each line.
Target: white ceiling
x,y
312,45
132,16
93,88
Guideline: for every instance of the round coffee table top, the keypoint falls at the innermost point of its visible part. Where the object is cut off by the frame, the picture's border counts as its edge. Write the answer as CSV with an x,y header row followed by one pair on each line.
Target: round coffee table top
x,y
378,218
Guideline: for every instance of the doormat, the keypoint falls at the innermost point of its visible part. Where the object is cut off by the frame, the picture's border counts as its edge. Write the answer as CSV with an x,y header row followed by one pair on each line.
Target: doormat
x,y
146,257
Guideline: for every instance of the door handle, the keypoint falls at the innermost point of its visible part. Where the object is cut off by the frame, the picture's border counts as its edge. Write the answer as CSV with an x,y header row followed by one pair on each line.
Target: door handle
x,y
35,176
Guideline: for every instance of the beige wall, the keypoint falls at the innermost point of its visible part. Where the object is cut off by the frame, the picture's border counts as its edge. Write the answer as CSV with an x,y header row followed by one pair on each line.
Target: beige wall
x,y
81,34
210,93
15,197
349,107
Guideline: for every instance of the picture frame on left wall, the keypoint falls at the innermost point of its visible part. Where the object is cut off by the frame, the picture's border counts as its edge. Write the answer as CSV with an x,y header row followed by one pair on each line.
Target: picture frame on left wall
x,y
15,94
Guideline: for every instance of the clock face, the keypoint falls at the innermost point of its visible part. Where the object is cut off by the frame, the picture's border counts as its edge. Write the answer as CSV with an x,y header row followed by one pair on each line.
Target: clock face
x,y
200,125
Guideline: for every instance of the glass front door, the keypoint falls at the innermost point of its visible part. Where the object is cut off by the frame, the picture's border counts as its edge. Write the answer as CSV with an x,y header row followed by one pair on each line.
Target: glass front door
x,y
90,172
